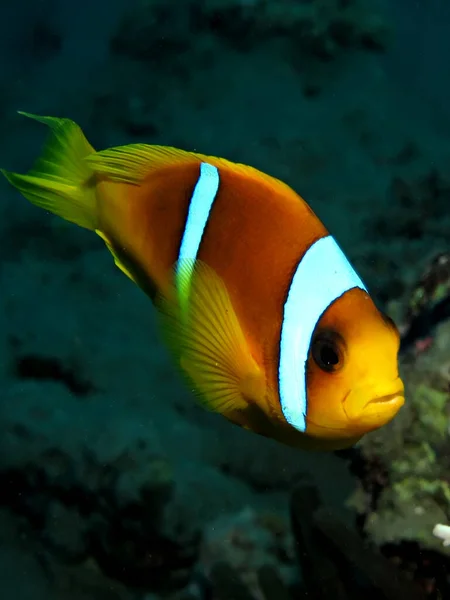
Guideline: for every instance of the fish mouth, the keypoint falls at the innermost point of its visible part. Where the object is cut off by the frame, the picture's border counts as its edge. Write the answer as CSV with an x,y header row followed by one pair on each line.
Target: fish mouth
x,y
363,416
376,410
381,409
388,399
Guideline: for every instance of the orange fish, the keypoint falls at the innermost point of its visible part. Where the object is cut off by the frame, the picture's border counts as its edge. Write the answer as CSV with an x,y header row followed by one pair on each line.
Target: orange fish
x,y
264,314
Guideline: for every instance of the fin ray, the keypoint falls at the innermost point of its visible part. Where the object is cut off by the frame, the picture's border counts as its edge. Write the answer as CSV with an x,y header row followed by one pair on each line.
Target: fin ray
x,y
133,163
60,178
204,333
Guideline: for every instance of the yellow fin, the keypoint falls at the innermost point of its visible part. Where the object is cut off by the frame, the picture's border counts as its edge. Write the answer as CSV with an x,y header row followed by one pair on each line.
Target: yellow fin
x,y
117,261
134,162
60,180
205,335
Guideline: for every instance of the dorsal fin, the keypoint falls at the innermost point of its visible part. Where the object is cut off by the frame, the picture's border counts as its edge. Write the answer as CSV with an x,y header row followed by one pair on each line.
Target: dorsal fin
x,y
135,162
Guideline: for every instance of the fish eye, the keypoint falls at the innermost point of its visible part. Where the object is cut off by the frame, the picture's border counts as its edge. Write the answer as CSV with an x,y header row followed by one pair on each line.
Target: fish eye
x,y
326,351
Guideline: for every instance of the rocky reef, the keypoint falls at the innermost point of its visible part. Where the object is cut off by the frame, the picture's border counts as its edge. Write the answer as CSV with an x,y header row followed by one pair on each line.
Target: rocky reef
x,y
404,468
334,562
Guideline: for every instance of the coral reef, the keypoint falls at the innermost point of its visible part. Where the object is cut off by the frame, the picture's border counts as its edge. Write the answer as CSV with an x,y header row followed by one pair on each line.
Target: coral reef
x,y
404,468
429,303
244,544
417,216
335,563
415,492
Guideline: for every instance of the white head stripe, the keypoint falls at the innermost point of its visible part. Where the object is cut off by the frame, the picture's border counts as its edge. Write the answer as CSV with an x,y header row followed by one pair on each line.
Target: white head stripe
x,y
200,206
322,276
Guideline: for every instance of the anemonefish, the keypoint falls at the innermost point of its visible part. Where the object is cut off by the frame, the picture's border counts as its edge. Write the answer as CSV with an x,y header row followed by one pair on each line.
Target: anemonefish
x,y
263,312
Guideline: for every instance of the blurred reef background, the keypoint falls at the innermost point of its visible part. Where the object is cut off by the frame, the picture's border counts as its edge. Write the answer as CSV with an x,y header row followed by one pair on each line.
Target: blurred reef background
x,y
114,485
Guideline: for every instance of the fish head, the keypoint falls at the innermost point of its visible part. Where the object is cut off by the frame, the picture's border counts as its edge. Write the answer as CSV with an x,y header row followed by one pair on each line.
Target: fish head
x,y
352,378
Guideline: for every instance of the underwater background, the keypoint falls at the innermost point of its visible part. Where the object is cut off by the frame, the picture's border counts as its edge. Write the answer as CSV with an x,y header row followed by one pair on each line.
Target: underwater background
x,y
114,484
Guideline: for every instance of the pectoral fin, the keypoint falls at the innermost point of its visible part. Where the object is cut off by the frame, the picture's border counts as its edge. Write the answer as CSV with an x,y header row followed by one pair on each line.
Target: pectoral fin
x,y
206,337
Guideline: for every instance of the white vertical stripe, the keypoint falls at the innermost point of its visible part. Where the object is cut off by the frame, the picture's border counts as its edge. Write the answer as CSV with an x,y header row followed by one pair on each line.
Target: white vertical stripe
x,y
322,276
200,206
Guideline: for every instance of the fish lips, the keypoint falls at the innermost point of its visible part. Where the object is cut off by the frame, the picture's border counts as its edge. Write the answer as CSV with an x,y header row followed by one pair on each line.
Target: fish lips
x,y
374,409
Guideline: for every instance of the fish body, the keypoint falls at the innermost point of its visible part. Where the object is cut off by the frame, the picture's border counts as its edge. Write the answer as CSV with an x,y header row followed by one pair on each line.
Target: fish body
x,y
264,314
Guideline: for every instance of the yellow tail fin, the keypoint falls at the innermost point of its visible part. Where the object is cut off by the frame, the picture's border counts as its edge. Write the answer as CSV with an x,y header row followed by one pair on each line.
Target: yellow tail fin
x,y
61,181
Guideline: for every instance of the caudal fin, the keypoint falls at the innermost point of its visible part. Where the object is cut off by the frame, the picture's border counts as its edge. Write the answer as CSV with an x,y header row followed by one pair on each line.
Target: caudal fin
x,y
61,180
